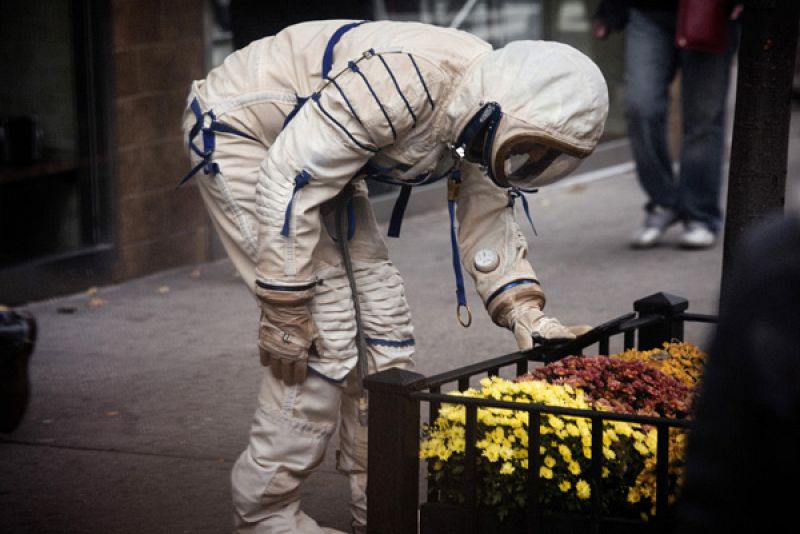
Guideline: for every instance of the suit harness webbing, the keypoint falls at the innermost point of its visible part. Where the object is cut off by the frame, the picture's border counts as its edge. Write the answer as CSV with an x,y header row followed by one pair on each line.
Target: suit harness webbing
x,y
209,125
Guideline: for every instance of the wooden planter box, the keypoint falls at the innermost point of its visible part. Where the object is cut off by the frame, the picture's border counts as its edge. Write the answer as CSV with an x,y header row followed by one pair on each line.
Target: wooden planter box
x,y
396,398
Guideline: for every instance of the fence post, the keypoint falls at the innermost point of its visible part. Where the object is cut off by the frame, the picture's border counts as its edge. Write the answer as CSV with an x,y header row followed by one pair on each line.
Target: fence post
x,y
393,452
668,308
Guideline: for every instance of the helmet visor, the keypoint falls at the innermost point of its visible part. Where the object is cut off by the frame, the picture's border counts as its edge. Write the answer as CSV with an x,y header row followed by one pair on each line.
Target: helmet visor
x,y
530,163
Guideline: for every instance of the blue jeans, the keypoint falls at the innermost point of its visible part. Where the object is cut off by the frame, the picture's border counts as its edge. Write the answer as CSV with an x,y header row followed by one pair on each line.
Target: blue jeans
x,y
651,63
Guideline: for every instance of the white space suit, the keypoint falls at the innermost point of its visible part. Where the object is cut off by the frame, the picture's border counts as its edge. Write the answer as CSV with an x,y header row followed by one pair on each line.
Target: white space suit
x,y
283,126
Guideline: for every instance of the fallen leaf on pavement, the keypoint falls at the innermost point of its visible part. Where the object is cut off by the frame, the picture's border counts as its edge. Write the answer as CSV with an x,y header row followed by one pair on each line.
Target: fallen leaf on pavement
x,y
113,413
163,289
195,274
97,302
577,188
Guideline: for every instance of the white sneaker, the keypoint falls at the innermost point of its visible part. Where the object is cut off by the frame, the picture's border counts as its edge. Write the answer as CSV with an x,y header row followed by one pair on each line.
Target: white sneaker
x,y
697,235
654,226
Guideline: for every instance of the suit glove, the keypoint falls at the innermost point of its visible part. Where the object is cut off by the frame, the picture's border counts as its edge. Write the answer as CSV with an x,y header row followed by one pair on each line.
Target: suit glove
x,y
286,333
520,310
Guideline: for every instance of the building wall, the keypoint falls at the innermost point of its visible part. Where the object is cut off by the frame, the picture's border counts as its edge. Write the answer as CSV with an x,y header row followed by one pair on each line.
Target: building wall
x,y
157,51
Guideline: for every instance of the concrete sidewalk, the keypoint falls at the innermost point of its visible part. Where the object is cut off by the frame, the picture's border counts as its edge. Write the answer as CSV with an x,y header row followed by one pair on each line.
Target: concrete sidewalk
x,y
143,392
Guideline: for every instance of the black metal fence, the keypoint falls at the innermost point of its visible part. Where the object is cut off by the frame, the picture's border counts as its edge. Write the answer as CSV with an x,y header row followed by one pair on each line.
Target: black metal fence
x,y
395,430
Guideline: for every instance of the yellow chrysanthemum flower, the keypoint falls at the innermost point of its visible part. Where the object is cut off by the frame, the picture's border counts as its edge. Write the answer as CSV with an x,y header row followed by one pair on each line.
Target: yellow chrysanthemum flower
x,y
583,489
574,468
556,422
506,468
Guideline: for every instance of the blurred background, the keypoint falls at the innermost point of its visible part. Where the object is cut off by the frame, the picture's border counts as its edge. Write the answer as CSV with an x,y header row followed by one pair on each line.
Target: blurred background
x,y
496,21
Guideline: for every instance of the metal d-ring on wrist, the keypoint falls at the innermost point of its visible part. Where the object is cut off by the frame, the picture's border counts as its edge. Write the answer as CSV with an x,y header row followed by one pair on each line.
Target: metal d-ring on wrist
x,y
461,321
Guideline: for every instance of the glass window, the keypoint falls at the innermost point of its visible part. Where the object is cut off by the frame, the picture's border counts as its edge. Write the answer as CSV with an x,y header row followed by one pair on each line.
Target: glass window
x,y
50,195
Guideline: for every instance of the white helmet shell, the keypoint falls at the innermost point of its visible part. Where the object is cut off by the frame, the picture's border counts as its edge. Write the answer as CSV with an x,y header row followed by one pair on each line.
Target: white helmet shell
x,y
549,93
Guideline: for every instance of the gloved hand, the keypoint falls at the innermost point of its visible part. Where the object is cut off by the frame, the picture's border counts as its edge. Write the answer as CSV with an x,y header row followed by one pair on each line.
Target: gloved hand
x,y
520,310
285,333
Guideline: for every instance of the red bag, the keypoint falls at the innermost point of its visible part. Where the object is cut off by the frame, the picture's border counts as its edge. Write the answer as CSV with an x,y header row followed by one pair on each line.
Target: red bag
x,y
702,25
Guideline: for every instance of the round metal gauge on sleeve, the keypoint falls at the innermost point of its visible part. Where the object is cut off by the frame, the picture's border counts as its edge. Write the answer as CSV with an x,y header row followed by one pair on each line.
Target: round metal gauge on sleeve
x,y
486,260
